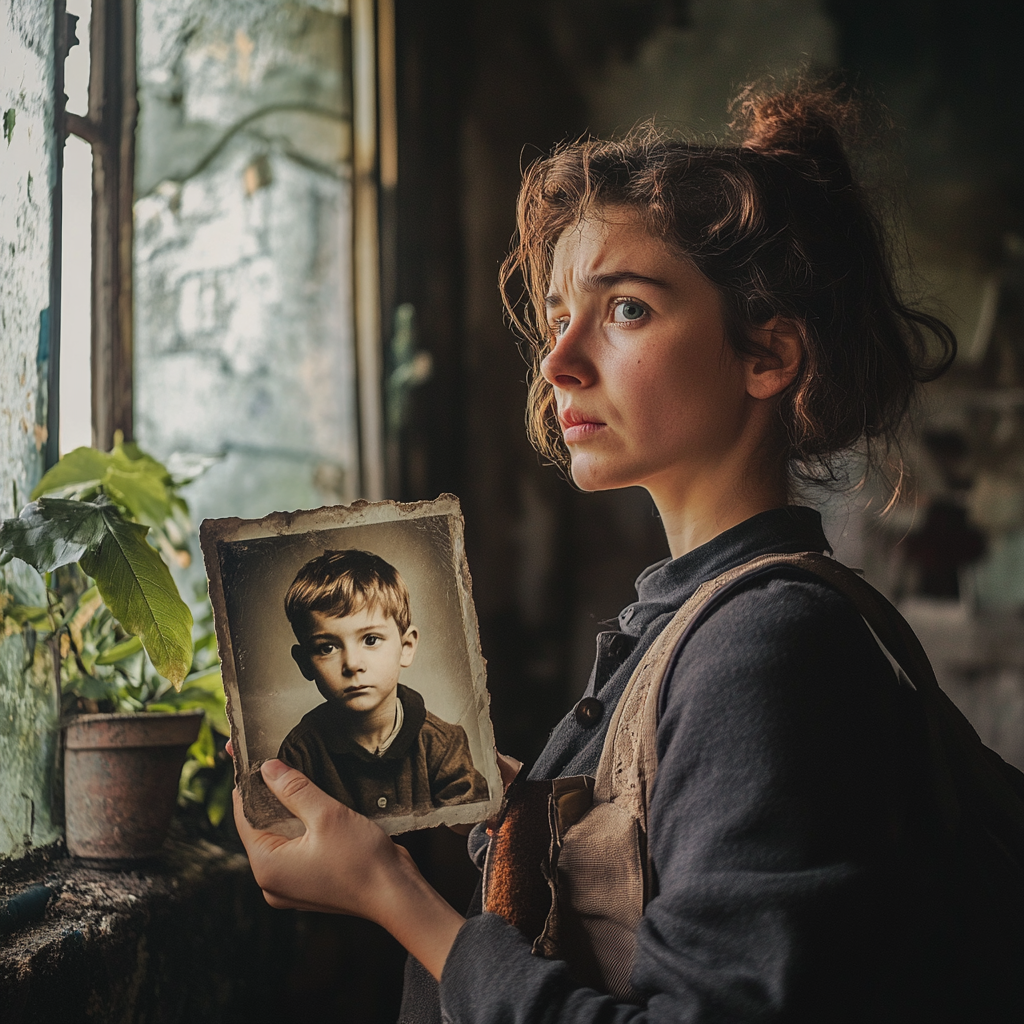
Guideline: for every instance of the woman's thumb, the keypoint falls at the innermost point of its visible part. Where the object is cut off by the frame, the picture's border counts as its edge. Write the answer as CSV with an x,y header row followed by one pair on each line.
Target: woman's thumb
x,y
293,789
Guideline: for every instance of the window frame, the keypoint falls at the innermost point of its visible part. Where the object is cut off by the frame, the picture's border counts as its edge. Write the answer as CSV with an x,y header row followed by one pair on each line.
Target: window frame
x,y
109,129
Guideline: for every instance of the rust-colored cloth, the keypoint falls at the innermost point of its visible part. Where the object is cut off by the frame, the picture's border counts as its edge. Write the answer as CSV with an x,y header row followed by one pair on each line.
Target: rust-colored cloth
x,y
516,885
428,764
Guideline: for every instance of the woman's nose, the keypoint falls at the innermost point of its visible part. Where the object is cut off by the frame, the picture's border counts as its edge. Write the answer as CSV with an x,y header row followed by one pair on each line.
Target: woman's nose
x,y
567,364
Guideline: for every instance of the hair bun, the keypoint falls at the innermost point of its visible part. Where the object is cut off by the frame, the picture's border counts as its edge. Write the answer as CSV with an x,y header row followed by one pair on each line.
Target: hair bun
x,y
805,122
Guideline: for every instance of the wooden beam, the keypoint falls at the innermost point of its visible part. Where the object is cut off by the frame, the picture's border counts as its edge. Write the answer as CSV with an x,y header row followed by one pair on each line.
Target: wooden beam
x,y
113,111
366,250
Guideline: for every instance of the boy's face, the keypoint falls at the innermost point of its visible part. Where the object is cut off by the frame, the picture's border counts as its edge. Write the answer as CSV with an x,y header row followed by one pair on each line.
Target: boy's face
x,y
355,659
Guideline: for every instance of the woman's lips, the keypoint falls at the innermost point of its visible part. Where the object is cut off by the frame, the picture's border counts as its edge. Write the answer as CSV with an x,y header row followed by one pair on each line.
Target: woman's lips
x,y
580,432
577,427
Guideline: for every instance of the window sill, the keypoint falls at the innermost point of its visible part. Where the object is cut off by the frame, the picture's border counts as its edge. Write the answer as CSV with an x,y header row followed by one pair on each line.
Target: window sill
x,y
187,937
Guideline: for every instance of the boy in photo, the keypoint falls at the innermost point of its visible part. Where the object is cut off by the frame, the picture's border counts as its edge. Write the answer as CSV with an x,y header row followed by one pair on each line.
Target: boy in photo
x,y
372,744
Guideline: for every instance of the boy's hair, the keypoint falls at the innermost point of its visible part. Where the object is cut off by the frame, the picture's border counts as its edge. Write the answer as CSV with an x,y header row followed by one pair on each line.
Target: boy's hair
x,y
343,582
780,226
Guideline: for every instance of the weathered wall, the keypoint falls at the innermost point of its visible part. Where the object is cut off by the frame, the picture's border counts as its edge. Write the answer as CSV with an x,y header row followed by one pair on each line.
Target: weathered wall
x,y
27,698
243,338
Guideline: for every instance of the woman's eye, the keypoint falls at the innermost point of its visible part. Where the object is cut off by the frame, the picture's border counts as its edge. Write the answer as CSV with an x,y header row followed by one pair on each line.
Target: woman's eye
x,y
559,327
628,311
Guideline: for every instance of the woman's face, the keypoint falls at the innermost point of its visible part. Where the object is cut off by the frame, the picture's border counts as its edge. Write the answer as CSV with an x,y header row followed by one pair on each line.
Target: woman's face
x,y
648,389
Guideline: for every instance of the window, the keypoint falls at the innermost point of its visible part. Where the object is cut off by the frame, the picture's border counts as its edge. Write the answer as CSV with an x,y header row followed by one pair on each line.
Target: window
x,y
234,256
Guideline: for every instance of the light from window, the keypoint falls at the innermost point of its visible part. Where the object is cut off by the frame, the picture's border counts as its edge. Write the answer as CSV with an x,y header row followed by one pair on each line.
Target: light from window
x,y
76,263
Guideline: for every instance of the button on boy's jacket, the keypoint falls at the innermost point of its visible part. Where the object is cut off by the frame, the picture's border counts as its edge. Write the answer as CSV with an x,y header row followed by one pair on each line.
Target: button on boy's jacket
x,y
428,764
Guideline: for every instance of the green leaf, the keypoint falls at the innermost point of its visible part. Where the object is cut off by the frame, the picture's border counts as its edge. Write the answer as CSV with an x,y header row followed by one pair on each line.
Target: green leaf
x,y
133,479
208,679
219,799
140,484
125,649
204,750
204,690
191,785
129,449
214,702
138,588
52,532
33,615
79,468
127,704
92,688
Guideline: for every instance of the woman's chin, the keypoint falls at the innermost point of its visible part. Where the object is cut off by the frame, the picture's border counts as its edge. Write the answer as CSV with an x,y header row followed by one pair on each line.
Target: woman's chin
x,y
589,474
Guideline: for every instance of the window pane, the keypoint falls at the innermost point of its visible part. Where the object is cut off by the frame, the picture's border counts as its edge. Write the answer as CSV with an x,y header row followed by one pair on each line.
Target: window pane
x,y
76,297
76,257
243,334
76,67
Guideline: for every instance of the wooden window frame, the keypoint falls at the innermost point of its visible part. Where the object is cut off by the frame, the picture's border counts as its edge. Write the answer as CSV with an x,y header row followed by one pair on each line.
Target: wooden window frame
x,y
109,128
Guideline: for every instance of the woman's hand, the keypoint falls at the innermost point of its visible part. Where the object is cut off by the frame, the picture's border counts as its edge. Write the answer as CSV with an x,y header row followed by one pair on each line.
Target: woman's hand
x,y
345,864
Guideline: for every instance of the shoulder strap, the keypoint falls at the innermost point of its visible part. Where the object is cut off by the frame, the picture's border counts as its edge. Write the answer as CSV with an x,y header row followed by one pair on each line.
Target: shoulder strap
x,y
962,767
629,755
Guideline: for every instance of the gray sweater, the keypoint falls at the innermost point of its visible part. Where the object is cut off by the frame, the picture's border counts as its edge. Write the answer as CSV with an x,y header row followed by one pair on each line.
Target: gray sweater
x,y
784,825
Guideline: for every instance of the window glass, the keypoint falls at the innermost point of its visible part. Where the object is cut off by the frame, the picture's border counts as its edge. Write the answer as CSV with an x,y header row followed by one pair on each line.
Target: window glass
x,y
243,305
76,250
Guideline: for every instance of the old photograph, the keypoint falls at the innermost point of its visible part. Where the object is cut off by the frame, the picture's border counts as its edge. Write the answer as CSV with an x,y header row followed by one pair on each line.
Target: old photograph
x,y
350,651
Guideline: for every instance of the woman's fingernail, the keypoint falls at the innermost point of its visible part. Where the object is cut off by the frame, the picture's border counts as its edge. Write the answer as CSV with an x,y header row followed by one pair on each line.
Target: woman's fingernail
x,y
273,769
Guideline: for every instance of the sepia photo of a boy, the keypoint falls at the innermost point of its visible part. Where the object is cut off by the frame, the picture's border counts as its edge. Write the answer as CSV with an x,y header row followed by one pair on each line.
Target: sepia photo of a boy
x,y
372,744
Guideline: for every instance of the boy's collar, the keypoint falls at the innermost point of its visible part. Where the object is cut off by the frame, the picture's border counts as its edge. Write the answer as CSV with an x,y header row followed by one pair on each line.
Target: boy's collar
x,y
395,729
414,714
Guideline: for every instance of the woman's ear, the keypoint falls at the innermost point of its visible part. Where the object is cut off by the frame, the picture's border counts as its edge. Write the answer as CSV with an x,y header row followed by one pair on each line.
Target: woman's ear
x,y
775,367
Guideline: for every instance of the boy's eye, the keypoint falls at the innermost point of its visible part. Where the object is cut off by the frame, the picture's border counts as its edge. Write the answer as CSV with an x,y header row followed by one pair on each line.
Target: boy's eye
x,y
323,649
371,641
628,311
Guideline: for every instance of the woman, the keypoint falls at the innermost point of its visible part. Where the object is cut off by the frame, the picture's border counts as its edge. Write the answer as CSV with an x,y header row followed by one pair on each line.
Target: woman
x,y
708,322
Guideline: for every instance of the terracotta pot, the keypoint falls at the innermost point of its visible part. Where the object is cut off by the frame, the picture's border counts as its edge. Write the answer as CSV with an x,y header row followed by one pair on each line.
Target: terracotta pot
x,y
121,782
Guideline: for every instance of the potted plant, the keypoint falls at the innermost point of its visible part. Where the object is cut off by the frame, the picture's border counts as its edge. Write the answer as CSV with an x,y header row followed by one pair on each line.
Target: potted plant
x,y
121,642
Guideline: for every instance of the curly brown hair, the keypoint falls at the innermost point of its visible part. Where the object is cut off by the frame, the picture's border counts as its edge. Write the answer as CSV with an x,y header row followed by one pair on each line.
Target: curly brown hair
x,y
778,223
